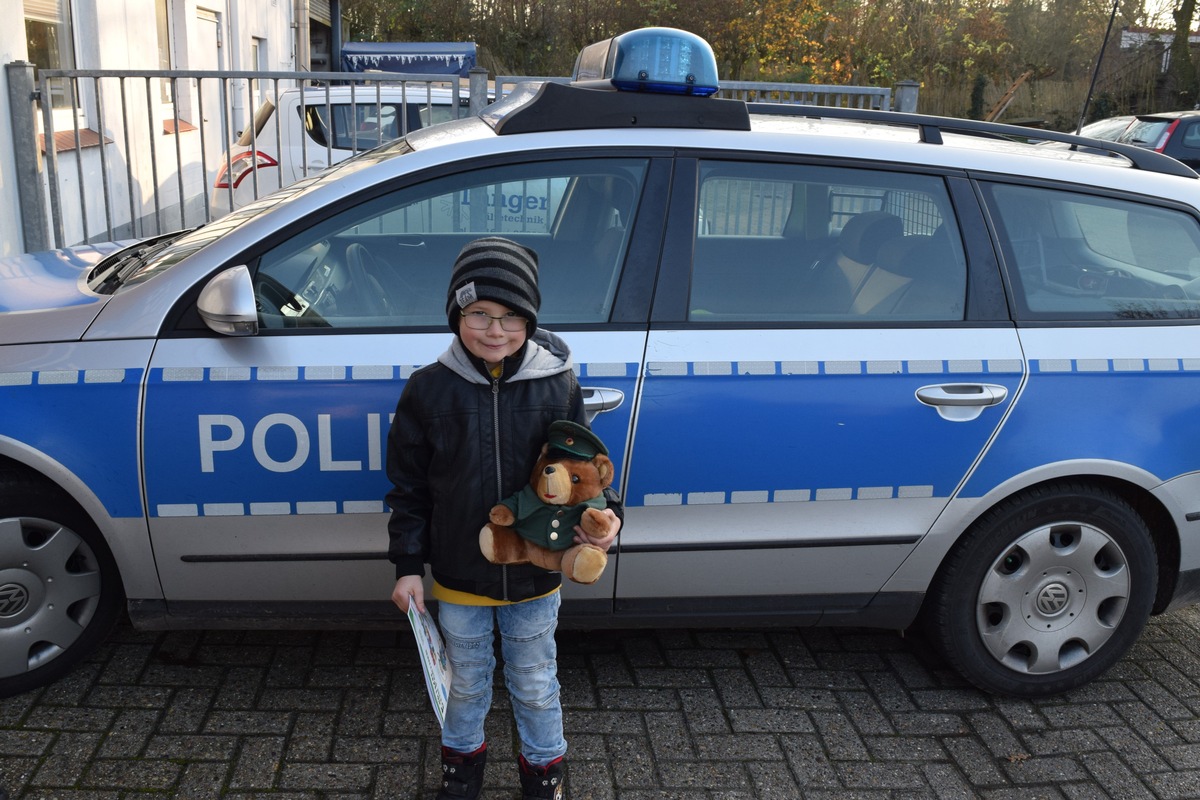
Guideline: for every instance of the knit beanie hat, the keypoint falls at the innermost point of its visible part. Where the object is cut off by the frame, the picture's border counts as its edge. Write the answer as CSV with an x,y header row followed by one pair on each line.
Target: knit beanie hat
x,y
497,269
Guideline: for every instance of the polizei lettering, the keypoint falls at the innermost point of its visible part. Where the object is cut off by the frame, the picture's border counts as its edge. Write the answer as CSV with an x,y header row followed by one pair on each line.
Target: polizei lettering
x,y
285,443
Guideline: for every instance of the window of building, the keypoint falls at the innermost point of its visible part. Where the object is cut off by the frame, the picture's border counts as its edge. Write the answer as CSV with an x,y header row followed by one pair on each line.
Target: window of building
x,y
162,19
258,63
50,44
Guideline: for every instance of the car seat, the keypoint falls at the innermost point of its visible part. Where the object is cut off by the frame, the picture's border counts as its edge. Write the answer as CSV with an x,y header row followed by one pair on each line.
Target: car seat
x,y
836,281
914,277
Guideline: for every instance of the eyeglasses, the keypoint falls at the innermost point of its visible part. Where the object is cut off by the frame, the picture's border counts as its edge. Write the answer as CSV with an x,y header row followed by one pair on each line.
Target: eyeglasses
x,y
479,321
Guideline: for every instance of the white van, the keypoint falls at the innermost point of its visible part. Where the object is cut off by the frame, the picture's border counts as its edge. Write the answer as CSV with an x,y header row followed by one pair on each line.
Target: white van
x,y
319,127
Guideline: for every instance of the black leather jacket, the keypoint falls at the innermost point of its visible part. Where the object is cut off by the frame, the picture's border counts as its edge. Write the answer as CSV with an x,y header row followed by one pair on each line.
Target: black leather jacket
x,y
460,442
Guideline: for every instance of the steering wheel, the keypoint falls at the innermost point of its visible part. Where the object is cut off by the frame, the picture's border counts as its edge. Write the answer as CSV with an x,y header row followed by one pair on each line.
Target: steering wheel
x,y
368,293
270,295
278,306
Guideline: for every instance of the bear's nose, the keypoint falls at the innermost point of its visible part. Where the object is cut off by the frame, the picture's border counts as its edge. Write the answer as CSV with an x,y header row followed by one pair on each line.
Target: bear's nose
x,y
550,470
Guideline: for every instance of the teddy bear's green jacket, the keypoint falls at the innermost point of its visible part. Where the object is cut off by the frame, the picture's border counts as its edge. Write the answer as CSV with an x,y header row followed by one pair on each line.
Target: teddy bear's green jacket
x,y
552,527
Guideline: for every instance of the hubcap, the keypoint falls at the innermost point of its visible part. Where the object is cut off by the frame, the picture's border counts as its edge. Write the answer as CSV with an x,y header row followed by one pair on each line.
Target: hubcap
x,y
48,595
1053,598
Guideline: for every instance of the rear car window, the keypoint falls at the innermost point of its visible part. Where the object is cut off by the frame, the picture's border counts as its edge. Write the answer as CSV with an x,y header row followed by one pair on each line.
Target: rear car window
x,y
1146,132
1078,256
795,243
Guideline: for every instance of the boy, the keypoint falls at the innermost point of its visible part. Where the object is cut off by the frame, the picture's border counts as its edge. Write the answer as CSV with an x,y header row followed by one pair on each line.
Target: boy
x,y
466,434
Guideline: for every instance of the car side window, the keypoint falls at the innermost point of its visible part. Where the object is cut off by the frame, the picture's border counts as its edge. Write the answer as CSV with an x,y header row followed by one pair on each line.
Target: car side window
x,y
1191,133
794,243
1078,256
386,262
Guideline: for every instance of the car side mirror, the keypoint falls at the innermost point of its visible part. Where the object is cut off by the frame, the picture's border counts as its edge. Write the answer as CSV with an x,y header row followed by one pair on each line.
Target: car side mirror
x,y
227,303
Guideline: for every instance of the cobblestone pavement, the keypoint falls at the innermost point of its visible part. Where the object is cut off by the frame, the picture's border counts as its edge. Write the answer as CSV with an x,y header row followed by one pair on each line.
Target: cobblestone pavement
x,y
764,713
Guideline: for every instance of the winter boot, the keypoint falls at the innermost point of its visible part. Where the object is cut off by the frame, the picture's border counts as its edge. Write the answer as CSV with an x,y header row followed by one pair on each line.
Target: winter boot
x,y
541,783
462,774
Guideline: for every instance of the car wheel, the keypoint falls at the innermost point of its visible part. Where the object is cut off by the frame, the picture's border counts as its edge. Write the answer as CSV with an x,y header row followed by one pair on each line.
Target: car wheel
x,y
1046,592
60,592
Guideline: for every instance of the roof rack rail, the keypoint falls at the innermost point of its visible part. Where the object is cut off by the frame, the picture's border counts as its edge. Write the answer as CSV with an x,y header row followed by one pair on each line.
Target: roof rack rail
x,y
930,129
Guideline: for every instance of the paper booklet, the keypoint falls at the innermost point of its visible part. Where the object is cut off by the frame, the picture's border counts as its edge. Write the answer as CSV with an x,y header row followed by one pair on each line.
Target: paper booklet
x,y
433,660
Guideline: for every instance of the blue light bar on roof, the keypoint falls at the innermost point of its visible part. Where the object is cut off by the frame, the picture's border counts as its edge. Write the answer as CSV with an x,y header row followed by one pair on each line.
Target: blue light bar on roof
x,y
651,60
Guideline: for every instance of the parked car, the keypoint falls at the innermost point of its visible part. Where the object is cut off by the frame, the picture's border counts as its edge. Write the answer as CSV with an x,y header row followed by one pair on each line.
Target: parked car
x,y
303,131
1109,129
1174,133
910,370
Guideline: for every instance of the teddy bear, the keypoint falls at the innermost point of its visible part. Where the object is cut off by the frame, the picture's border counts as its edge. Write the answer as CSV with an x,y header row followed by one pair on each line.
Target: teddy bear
x,y
537,524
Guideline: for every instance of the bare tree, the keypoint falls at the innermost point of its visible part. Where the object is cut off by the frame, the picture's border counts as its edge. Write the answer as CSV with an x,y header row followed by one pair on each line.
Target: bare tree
x,y
1183,69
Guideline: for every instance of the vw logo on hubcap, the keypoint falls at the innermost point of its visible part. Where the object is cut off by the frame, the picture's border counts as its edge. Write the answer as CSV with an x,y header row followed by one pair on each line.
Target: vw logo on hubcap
x,y
13,599
1052,599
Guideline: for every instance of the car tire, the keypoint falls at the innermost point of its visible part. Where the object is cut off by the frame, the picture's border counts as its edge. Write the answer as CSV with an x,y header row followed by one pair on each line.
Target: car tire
x,y
60,590
1046,592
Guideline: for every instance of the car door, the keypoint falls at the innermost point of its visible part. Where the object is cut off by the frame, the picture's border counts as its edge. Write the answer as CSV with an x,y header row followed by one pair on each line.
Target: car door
x,y
818,383
264,455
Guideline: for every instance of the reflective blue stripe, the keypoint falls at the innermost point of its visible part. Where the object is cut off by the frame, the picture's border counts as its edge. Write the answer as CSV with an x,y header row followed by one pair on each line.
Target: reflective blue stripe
x,y
925,367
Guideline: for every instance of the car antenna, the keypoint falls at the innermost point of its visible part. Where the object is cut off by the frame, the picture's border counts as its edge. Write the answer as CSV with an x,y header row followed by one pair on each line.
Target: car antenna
x,y
1096,70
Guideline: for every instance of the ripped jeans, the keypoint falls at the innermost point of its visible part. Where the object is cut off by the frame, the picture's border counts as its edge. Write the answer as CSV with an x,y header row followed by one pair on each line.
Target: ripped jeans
x,y
530,673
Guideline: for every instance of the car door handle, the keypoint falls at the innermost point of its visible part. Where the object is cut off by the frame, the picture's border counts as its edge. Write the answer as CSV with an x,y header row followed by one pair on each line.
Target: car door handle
x,y
597,400
961,402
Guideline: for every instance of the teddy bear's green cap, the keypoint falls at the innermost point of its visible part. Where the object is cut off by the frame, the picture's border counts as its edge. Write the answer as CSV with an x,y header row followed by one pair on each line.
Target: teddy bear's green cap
x,y
572,440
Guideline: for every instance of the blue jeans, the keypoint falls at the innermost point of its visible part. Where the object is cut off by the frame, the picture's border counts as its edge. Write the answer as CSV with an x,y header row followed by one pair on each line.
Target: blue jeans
x,y
530,673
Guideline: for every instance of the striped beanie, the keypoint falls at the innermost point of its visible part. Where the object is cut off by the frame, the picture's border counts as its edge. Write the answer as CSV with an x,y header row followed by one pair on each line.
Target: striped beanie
x,y
497,269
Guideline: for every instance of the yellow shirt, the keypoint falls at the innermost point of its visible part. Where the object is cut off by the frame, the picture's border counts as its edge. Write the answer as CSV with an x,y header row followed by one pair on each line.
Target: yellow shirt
x,y
467,599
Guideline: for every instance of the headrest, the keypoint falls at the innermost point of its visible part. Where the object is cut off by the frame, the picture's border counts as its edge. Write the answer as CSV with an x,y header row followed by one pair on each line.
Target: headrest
x,y
906,255
863,234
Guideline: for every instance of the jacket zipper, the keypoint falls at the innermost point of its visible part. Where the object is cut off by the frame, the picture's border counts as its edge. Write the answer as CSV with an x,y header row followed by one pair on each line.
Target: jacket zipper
x,y
499,477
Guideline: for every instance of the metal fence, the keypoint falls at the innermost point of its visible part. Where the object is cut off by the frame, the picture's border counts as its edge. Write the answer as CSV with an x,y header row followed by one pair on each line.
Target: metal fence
x,y
132,154
105,155
878,98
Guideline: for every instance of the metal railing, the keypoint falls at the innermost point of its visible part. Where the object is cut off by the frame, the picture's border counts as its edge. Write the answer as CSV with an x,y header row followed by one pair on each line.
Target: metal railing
x,y
145,148
124,154
875,97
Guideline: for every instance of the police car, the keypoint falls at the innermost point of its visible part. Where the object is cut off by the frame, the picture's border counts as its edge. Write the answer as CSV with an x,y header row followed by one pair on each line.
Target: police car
x,y
854,368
